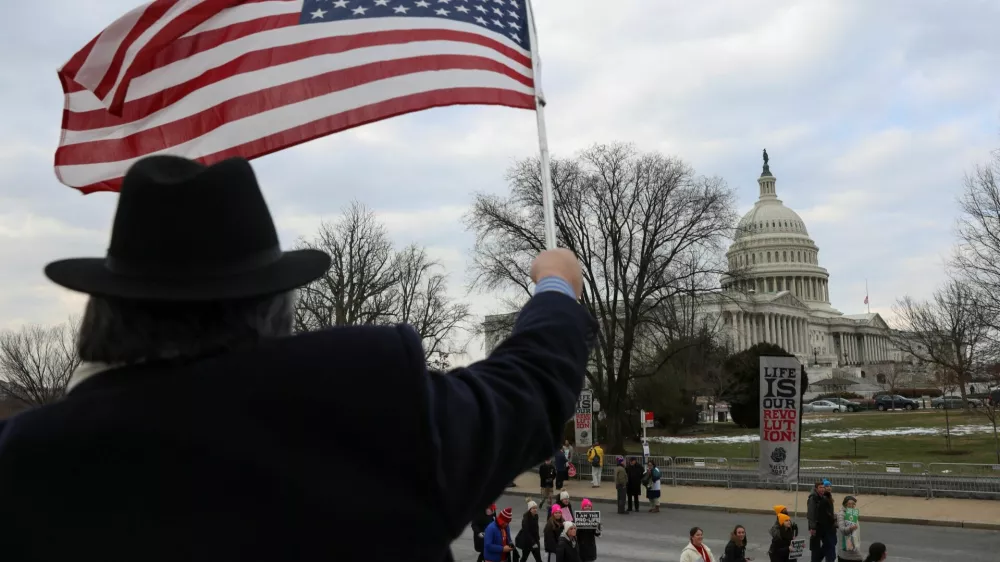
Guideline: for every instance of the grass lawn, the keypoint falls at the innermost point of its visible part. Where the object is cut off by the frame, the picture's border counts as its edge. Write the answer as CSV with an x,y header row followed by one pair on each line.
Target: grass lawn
x,y
863,436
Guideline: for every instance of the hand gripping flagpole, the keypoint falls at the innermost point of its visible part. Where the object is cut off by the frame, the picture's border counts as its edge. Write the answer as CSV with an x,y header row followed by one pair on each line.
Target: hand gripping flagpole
x,y
548,209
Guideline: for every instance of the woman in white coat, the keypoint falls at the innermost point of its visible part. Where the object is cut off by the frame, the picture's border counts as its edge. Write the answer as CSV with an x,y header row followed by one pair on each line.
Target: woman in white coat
x,y
697,550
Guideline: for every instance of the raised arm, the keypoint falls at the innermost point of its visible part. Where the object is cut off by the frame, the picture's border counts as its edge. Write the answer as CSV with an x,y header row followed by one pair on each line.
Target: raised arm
x,y
498,417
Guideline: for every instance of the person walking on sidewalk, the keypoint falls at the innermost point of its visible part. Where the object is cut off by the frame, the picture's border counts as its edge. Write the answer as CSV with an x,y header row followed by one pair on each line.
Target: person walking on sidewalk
x,y
822,525
595,456
498,544
565,506
587,538
567,450
697,550
547,478
634,486
528,539
561,464
848,535
479,524
651,479
781,544
736,549
621,483
550,535
569,549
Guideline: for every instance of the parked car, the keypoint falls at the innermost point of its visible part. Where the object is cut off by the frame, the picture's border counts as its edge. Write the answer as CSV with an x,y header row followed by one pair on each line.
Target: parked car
x,y
952,402
820,406
893,402
847,404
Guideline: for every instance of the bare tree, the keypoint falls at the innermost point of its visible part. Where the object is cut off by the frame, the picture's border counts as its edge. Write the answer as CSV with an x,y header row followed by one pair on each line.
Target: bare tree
x,y
36,362
642,225
946,380
890,376
990,378
420,299
977,257
949,331
362,273
369,282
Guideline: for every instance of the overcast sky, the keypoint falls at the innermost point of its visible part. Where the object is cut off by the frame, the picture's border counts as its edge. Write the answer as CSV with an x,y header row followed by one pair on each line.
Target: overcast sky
x,y
871,112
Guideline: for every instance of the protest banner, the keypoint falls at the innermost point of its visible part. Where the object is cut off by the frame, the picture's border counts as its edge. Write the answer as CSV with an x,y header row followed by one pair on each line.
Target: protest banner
x,y
587,519
851,542
585,419
780,418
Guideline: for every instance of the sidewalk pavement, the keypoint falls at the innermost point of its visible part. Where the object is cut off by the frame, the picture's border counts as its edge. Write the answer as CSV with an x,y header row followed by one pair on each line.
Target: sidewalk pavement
x,y
941,512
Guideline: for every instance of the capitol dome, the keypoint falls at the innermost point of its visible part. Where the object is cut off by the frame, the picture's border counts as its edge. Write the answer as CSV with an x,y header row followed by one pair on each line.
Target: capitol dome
x,y
772,251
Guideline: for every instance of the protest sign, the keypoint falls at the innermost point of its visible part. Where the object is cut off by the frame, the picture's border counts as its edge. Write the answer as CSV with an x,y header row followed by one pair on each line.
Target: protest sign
x,y
851,542
797,549
585,419
780,417
587,519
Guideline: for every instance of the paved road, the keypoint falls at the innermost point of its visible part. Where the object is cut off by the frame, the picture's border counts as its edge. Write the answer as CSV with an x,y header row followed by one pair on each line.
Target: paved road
x,y
660,537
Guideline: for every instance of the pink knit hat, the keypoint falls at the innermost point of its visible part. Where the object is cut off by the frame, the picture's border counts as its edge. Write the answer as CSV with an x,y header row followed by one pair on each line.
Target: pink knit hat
x,y
585,503
555,509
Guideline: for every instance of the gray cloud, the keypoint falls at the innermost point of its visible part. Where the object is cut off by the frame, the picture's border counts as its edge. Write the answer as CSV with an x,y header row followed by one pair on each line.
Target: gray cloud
x,y
871,113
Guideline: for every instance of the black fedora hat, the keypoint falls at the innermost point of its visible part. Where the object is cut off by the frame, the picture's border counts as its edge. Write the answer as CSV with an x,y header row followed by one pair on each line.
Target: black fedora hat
x,y
184,231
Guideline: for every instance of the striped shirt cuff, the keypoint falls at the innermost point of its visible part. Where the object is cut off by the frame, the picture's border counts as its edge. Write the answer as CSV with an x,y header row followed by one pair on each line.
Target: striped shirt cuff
x,y
556,284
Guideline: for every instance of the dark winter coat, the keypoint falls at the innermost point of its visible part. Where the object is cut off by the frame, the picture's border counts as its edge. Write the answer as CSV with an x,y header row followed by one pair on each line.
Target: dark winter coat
x,y
551,536
820,512
527,537
736,552
568,551
560,460
586,540
547,475
239,456
479,524
781,545
634,472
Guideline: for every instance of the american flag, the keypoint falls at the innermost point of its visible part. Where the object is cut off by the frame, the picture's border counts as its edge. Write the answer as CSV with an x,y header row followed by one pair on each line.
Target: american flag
x,y
213,79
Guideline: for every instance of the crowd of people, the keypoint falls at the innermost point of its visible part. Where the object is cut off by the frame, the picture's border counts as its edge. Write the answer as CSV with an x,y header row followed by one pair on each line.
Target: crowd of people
x,y
832,532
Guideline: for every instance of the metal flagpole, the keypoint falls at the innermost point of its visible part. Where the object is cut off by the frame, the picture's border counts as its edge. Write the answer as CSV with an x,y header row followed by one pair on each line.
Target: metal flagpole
x,y
548,210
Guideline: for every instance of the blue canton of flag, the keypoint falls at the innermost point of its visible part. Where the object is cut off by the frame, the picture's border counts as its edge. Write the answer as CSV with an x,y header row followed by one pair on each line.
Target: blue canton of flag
x,y
503,17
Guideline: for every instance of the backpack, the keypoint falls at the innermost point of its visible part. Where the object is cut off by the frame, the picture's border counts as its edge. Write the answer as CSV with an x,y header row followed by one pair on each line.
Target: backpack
x,y
596,461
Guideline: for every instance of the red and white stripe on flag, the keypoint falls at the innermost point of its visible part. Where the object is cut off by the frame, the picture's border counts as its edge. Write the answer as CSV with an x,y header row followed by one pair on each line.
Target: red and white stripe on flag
x,y
213,79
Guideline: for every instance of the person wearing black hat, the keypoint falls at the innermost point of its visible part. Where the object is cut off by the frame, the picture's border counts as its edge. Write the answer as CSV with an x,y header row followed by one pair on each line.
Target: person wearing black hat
x,y
199,428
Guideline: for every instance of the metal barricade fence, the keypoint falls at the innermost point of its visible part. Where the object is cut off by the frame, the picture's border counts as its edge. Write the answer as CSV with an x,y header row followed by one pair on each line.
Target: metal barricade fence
x,y
901,478
705,471
743,473
955,480
980,481
840,473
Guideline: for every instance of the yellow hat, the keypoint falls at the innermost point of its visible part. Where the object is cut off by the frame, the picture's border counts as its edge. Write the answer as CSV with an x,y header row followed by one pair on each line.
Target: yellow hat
x,y
778,509
782,518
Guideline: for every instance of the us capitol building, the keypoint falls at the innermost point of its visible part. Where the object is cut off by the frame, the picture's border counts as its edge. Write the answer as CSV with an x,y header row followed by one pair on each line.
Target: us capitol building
x,y
777,292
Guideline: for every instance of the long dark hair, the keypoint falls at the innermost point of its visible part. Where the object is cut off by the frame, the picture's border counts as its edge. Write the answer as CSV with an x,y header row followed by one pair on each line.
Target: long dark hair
x,y
123,331
694,531
875,552
736,539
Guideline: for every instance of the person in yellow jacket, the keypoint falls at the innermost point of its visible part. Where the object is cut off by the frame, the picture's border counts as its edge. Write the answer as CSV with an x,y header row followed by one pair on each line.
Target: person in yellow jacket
x,y
595,456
